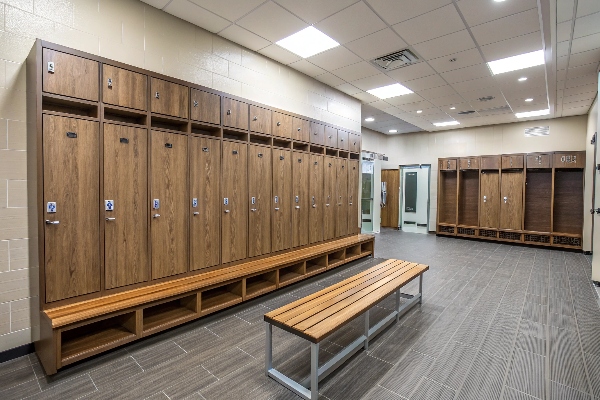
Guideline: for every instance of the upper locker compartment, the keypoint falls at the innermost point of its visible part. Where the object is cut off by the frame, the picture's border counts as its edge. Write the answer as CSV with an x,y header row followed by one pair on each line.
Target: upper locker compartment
x,y
68,75
331,137
300,129
513,161
539,160
124,88
206,107
574,159
282,125
260,120
469,163
447,164
317,134
343,138
235,113
169,98
354,143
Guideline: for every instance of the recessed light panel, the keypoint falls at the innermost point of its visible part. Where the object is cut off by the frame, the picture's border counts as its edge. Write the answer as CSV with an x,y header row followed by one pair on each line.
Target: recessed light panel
x,y
523,79
308,42
370,119
447,123
533,113
419,111
515,63
385,92
528,100
393,131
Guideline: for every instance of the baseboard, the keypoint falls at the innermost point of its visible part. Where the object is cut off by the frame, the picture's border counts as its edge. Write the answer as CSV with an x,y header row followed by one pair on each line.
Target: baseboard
x,y
16,352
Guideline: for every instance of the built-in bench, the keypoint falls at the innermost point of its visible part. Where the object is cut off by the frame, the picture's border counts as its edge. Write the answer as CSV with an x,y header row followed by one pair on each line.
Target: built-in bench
x,y
76,331
317,316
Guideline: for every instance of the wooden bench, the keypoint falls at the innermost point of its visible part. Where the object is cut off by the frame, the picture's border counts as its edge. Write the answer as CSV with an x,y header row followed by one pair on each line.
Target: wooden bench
x,y
317,316
76,331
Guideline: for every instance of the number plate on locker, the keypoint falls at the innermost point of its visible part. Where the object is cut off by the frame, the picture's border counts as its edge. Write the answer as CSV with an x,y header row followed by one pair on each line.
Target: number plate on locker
x,y
51,207
195,202
156,204
226,200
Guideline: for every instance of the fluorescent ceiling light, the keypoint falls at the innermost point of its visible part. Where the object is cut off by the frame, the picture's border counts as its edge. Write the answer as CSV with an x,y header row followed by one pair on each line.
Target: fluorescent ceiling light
x,y
523,79
453,108
447,123
370,119
515,63
419,111
393,131
308,42
385,92
533,113
498,1
528,100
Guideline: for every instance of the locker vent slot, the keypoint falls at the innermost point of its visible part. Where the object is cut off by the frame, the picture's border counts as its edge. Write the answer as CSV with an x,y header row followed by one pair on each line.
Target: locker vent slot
x,y
317,149
206,130
509,235
51,102
284,144
446,229
567,241
466,231
354,156
331,152
235,135
487,233
127,116
537,238
260,140
300,146
343,154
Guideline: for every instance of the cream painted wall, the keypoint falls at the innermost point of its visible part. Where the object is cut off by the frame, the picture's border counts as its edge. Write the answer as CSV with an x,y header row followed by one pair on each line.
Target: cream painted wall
x,y
138,34
568,133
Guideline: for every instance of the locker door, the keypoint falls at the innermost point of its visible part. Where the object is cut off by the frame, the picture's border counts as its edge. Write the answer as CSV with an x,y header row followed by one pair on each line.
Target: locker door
x,y
259,200
125,210
511,202
353,168
301,198
70,75
169,203
234,218
281,200
71,194
329,198
315,197
331,137
317,134
489,202
169,98
205,175
124,88
341,196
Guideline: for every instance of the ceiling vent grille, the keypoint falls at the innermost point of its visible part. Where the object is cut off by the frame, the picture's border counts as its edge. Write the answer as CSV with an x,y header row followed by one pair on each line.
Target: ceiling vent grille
x,y
395,60
537,131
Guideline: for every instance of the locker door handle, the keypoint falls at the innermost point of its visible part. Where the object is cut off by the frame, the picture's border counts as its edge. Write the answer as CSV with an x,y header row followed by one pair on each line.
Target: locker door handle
x,y
196,213
157,95
278,123
505,199
276,208
48,222
255,118
228,112
485,199
253,209
156,216
110,218
109,82
314,206
299,129
226,211
297,207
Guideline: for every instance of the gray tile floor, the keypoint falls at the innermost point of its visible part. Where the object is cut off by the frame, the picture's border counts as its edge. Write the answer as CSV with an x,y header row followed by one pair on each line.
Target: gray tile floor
x,y
497,322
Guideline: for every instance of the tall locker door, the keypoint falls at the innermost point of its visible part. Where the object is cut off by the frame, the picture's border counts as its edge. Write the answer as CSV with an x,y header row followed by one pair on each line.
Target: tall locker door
x,y
259,200
281,200
353,167
300,198
169,202
489,200
329,198
234,190
316,211
511,202
341,197
205,224
71,196
125,210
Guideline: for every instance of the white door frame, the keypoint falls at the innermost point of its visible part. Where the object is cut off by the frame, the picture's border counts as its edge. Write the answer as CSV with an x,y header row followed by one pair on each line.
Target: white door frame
x,y
401,192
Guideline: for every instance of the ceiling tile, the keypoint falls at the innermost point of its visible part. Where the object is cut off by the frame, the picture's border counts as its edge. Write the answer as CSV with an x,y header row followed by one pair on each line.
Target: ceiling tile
x,y
279,54
196,15
445,45
461,60
351,23
585,7
562,49
507,27
428,82
231,10
241,36
509,81
427,26
578,72
564,10
585,43
407,98
419,105
587,25
411,72
348,89
581,89
583,58
525,107
307,68
373,82
474,84
335,58
377,44
157,3
477,11
448,101
562,62
584,80
272,22
578,97
313,11
356,71
394,11
575,111
563,31
440,91
512,47
467,74
365,97
536,93
329,79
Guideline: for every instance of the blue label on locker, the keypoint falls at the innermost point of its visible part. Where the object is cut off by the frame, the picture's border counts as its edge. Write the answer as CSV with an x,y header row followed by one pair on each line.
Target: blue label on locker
x,y
276,199
226,200
109,205
51,207
195,202
156,204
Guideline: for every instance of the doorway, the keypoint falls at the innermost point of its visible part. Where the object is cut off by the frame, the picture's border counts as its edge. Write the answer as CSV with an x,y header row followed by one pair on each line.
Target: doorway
x,y
414,198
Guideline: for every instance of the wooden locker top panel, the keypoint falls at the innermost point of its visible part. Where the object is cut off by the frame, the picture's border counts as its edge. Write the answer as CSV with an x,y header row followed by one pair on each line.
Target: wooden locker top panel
x,y
539,160
70,75
206,107
513,161
331,136
300,129
169,98
469,163
490,162
282,125
317,133
260,119
574,159
124,88
447,164
234,113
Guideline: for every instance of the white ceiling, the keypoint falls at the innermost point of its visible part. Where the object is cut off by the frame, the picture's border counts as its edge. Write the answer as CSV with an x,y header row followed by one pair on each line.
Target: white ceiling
x,y
469,32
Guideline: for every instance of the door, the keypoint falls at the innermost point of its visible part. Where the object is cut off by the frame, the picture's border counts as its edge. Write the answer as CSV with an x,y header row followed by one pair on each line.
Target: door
x,y
511,202
354,143
489,199
205,219
316,212
341,196
342,140
329,197
206,107
124,88
124,205
259,199
331,137
235,113
260,120
300,130
390,211
61,70
234,217
282,125
414,210
169,98
317,134
301,200
71,195
353,171
169,202
281,200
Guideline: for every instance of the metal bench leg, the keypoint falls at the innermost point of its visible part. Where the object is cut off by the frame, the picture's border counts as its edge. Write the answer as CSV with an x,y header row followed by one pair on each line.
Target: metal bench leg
x,y
367,330
314,371
398,305
269,347
421,289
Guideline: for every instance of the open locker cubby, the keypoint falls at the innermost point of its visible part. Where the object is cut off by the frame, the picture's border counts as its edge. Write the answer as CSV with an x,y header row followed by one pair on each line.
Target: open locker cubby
x,y
538,200
447,192
169,313
316,265
568,201
353,252
291,274
220,297
84,341
366,248
260,284
468,204
336,258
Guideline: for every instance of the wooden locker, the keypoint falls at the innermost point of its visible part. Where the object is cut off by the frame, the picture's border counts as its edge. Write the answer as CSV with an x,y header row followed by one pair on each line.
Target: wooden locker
x,y
260,120
234,113
539,160
341,196
353,177
512,161
490,162
71,194
469,163
447,164
489,203
206,107
205,220
343,138
329,198
300,198
169,185
124,88
331,136
575,159
234,202
511,202
69,75
169,98
282,125
317,134
281,200
354,143
300,130
125,205
259,200
316,212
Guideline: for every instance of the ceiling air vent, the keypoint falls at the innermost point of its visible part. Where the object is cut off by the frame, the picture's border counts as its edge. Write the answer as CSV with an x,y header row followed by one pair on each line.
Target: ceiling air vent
x,y
537,131
395,60
466,112
486,98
